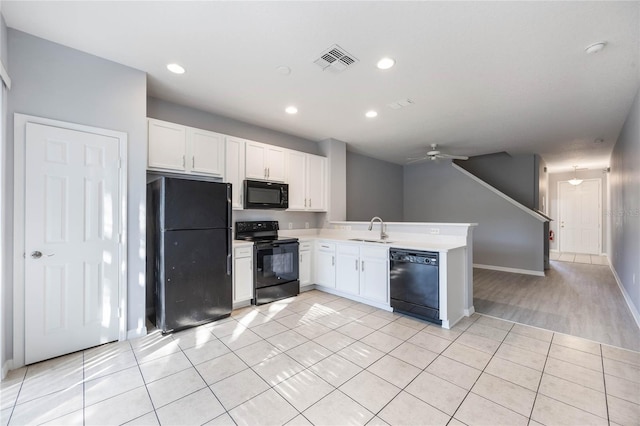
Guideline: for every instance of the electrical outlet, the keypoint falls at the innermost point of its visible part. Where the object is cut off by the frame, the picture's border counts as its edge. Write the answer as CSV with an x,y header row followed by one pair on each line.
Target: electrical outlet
x,y
434,231
290,225
306,225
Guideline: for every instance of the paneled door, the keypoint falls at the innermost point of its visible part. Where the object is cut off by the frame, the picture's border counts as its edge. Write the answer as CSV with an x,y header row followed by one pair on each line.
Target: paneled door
x,y
72,240
580,217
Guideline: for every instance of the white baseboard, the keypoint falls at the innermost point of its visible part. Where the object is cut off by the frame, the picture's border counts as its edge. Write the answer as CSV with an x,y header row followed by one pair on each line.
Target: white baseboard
x,y
8,365
138,332
554,250
512,270
469,312
307,288
335,292
632,308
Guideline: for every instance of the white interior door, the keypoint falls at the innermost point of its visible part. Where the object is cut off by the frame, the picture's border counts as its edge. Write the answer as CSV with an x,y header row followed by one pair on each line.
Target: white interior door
x,y
72,241
580,217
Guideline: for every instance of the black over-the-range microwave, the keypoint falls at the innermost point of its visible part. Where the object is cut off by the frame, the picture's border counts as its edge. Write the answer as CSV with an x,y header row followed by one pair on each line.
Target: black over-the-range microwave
x,y
265,195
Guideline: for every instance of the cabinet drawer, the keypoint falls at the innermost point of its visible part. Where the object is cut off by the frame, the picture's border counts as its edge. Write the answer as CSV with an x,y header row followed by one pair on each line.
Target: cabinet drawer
x,y
305,245
243,251
349,249
324,246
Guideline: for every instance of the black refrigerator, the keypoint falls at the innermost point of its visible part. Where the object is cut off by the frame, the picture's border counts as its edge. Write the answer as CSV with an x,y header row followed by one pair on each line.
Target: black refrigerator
x,y
189,251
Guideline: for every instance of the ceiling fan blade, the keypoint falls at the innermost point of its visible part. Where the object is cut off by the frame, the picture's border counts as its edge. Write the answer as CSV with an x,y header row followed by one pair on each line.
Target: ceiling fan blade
x,y
412,160
453,157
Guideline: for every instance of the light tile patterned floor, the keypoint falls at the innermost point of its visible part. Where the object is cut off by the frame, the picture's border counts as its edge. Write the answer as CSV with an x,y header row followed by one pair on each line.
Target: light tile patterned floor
x,y
324,360
592,259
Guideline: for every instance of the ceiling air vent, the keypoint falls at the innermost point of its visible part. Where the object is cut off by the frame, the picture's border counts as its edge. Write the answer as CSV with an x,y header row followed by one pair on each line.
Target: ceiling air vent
x,y
335,59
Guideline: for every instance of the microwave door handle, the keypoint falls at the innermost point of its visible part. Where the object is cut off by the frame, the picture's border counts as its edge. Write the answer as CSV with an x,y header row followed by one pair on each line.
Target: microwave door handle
x,y
281,195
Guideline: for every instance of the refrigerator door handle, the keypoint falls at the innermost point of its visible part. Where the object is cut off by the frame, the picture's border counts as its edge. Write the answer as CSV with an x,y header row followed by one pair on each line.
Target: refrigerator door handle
x,y
229,264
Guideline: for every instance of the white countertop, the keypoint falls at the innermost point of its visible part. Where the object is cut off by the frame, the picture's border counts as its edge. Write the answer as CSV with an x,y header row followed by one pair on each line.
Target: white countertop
x,y
426,245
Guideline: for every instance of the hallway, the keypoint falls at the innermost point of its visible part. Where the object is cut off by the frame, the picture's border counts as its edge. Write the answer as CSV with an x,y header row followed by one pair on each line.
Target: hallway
x,y
574,298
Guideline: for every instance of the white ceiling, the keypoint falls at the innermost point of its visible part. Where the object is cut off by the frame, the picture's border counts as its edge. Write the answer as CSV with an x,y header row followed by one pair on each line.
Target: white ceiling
x,y
484,76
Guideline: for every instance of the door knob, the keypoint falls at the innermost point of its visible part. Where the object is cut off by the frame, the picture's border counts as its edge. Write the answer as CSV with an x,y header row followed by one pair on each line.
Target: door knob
x,y
36,254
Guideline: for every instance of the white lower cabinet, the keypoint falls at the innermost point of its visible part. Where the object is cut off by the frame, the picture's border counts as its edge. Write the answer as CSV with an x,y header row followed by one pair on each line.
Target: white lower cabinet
x,y
363,271
242,274
305,263
325,264
374,273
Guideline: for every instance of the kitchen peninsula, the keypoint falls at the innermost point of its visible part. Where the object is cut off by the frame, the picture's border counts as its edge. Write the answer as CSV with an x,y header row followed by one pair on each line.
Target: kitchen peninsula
x,y
341,249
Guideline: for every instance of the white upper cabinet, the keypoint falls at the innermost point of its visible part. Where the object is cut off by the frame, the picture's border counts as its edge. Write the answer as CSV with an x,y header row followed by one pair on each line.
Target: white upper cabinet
x,y
207,152
183,149
306,176
167,146
265,162
235,169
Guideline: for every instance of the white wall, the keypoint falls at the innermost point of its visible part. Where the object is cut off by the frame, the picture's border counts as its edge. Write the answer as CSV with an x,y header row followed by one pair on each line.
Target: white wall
x,y
53,81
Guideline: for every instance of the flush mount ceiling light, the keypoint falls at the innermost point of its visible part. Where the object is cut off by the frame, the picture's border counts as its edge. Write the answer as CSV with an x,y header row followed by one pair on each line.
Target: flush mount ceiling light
x,y
371,114
595,47
598,141
386,63
291,110
575,181
175,68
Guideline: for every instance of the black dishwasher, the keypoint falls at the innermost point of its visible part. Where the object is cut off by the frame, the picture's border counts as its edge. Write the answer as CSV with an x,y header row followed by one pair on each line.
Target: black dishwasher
x,y
414,283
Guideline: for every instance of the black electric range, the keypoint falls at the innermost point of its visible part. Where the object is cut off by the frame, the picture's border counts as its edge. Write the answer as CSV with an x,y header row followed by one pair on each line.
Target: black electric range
x,y
275,261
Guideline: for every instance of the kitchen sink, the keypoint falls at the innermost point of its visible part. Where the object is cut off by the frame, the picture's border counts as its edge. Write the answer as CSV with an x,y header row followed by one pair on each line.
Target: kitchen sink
x,y
363,240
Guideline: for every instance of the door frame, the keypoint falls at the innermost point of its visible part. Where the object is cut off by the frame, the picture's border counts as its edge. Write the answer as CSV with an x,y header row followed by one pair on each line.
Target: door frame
x,y
600,230
19,157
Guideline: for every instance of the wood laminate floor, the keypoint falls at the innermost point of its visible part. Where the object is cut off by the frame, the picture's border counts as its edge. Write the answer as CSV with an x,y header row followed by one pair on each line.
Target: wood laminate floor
x,y
573,298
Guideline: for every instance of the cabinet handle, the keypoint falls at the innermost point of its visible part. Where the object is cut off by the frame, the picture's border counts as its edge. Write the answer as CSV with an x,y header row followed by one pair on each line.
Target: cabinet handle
x,y
333,260
356,264
265,172
362,263
309,202
305,202
268,172
183,162
300,258
193,162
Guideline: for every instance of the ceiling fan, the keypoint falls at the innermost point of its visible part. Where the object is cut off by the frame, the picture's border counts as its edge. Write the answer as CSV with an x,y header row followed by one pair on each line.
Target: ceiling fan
x,y
436,154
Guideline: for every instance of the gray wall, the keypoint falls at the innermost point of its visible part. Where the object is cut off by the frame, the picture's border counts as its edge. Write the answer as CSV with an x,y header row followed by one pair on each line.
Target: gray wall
x,y
554,213
513,175
506,236
625,204
543,186
56,82
5,280
373,189
175,113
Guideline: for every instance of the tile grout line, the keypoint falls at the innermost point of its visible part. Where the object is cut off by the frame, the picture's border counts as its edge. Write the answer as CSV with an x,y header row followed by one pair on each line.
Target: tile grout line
x,y
535,398
144,381
482,372
604,383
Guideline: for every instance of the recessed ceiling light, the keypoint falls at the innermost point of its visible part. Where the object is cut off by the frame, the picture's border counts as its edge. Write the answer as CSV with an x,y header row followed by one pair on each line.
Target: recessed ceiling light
x,y
284,70
595,47
175,68
291,110
386,63
371,114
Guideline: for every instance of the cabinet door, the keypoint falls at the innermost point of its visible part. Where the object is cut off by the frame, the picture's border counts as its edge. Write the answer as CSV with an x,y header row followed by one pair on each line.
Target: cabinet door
x,y
243,279
207,152
256,161
348,269
316,183
275,163
296,175
326,268
167,145
305,267
234,173
374,274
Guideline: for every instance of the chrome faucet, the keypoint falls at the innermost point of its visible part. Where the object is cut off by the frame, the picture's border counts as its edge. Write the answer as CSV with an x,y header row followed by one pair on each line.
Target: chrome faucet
x,y
383,235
